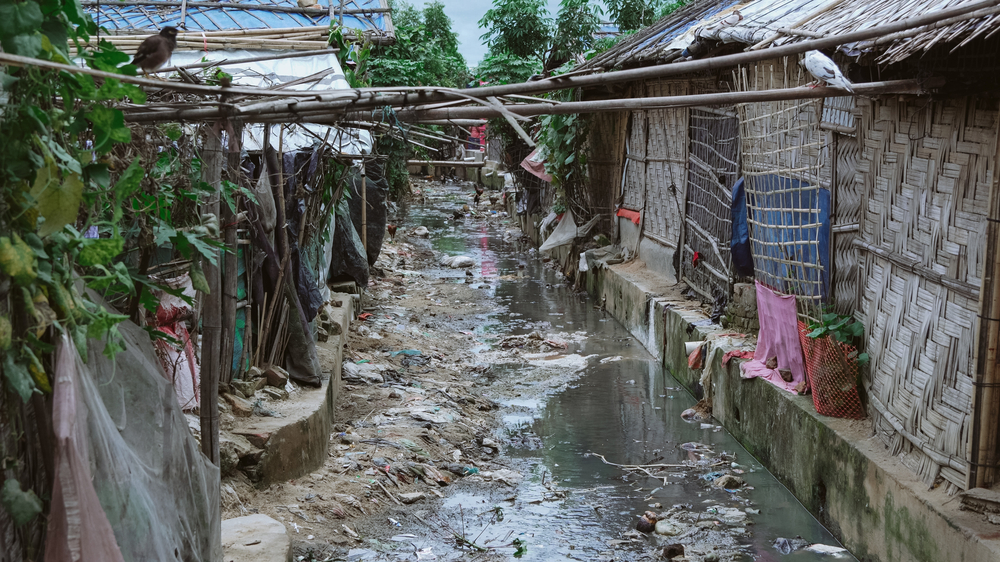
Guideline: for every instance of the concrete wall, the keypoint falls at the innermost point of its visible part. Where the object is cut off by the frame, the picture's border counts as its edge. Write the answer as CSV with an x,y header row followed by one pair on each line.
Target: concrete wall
x,y
657,257
844,476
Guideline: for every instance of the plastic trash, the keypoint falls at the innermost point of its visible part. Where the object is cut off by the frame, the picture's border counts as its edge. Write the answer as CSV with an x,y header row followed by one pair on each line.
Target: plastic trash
x,y
405,352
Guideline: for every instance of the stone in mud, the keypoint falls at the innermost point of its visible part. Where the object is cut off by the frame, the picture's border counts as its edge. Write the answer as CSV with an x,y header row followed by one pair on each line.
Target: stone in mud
x,y
241,408
672,551
421,232
669,527
458,262
412,497
728,481
276,376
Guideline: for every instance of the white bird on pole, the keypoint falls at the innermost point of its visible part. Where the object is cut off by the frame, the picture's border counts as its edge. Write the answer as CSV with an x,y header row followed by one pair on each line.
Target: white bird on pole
x,y
825,70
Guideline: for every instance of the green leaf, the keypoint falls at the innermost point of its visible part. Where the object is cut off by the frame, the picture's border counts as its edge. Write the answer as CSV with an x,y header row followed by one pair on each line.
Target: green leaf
x,y
100,251
25,44
198,280
58,202
817,333
18,377
19,17
20,505
17,260
130,179
6,80
863,358
830,318
98,173
856,329
102,323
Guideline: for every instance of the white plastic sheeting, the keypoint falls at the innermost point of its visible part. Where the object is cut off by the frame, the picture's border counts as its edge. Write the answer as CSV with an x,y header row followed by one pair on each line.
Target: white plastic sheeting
x,y
270,73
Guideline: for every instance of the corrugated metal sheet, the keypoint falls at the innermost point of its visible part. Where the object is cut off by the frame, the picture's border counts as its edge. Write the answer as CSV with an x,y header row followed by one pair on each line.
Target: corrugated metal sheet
x,y
117,17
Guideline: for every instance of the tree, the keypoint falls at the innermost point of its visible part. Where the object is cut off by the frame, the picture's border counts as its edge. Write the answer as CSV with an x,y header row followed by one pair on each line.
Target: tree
x,y
425,52
519,27
576,24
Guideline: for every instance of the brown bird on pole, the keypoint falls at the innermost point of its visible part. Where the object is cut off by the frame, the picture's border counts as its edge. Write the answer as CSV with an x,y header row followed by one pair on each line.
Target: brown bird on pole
x,y
155,50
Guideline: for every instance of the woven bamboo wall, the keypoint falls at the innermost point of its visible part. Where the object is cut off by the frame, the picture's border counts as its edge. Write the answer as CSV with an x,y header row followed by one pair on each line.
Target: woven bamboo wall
x,y
839,122
782,155
635,168
926,168
712,170
666,166
605,159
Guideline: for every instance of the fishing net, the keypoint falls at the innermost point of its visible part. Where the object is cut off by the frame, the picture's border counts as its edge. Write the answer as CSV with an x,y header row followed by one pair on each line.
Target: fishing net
x,y
832,368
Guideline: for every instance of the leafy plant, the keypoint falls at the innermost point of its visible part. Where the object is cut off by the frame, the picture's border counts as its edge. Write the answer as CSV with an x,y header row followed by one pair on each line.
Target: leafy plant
x,y
841,328
521,28
425,52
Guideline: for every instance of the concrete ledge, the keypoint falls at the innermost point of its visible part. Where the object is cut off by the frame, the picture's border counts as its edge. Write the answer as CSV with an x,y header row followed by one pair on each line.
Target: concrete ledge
x,y
255,538
844,476
298,443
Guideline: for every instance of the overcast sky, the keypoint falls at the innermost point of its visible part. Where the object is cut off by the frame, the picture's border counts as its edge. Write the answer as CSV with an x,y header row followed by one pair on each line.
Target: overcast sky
x,y
465,16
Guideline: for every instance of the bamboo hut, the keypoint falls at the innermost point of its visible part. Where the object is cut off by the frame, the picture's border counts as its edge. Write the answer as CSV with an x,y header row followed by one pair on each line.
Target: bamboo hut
x,y
879,207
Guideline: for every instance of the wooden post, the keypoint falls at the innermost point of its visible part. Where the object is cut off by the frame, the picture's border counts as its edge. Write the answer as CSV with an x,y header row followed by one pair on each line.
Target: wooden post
x,y
212,309
834,147
985,403
341,20
230,264
364,209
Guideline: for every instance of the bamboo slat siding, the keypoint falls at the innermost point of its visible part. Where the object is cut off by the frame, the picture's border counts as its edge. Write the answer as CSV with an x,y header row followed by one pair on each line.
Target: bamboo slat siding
x,y
713,168
605,159
666,158
635,168
926,168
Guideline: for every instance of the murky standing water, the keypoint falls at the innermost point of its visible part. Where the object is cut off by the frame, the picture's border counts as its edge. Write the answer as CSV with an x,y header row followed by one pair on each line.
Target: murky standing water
x,y
627,410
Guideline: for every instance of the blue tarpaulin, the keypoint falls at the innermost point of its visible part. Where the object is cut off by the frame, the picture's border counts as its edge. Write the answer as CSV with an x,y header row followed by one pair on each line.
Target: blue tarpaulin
x,y
790,222
740,245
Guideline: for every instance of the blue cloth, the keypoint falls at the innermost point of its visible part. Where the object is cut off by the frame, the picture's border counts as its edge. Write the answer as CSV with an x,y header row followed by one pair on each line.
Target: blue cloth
x,y
740,243
776,203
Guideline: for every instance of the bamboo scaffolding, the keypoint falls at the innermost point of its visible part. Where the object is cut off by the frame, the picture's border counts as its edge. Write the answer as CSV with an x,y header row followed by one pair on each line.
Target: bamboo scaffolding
x,y
376,97
325,112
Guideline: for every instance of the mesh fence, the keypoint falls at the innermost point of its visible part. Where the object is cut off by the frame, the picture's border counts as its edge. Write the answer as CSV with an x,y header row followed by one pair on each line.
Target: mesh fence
x,y
832,369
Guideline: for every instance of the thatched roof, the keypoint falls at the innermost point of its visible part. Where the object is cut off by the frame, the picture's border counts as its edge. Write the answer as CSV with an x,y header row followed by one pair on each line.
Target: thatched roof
x,y
769,20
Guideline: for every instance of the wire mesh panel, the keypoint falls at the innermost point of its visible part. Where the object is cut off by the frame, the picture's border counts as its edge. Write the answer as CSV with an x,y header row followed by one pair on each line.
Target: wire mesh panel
x,y
782,155
713,167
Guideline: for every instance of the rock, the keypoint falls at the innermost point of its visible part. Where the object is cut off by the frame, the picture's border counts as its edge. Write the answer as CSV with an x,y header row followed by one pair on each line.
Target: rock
x,y
412,497
275,393
669,527
241,408
276,376
672,551
728,481
772,362
786,374
322,335
421,232
229,461
246,388
257,440
462,262
255,538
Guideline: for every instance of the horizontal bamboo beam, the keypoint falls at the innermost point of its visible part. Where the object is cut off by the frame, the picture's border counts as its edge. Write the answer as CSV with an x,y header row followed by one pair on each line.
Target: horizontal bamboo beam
x,y
915,87
445,163
317,11
334,111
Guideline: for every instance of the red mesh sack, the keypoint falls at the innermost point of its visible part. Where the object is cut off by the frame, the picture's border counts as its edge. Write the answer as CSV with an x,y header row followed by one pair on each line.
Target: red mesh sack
x,y
832,369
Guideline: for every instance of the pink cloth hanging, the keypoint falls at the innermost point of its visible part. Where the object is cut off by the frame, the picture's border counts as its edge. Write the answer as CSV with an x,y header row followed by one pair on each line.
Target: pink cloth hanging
x,y
779,337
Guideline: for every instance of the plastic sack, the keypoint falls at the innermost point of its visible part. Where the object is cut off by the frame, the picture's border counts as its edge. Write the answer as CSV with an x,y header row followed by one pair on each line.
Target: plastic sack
x,y
157,490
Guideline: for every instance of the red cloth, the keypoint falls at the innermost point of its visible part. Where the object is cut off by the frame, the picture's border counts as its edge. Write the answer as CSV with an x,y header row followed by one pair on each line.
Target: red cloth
x,y
633,216
740,354
536,169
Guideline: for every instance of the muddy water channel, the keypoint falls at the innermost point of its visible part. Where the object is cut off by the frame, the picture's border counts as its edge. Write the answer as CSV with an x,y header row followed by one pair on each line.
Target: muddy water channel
x,y
603,395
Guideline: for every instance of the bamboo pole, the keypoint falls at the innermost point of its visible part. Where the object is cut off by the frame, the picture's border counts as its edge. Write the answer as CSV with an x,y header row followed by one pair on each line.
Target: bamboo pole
x,y
212,310
985,441
325,112
231,267
364,208
446,163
